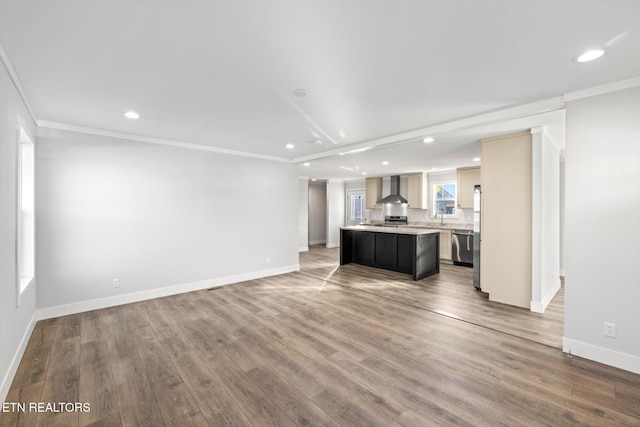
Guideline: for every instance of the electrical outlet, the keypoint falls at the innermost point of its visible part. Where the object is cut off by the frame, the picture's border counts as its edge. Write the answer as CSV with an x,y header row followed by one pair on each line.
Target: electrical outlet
x,y
609,329
267,260
116,283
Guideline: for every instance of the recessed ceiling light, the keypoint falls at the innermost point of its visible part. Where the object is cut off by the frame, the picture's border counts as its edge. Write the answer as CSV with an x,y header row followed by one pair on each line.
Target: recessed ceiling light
x,y
434,169
364,173
290,146
476,159
301,92
317,142
307,164
385,163
313,179
590,55
428,139
342,134
132,115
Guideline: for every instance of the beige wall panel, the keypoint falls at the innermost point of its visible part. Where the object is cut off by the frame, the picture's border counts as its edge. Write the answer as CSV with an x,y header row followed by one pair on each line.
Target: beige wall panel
x,y
506,219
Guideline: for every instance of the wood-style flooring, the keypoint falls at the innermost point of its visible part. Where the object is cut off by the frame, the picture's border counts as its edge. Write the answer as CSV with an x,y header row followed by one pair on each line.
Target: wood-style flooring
x,y
323,346
450,293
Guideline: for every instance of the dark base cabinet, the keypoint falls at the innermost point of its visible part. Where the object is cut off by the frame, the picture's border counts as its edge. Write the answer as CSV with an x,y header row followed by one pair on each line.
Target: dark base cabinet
x,y
418,255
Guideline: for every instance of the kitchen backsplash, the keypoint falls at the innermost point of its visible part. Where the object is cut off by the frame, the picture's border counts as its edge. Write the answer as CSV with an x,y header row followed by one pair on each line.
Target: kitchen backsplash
x,y
465,216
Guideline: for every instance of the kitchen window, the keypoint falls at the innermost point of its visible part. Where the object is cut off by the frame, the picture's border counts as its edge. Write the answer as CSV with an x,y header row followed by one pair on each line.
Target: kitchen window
x,y
444,198
25,202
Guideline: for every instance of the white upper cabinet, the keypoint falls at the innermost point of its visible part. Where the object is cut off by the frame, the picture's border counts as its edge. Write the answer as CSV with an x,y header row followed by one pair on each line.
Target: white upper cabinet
x,y
373,187
467,179
417,190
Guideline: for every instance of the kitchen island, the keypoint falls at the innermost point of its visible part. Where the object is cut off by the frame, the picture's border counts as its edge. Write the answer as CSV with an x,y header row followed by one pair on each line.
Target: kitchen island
x,y
414,251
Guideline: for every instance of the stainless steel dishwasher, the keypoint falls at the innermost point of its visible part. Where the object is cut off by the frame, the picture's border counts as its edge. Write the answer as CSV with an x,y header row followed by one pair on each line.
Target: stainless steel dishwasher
x,y
462,247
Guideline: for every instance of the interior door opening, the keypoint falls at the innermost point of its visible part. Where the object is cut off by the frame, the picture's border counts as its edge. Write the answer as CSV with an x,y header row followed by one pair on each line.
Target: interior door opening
x,y
355,207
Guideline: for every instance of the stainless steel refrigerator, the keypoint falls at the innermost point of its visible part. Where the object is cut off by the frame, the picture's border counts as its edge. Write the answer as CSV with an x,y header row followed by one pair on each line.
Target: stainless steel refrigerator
x,y
477,196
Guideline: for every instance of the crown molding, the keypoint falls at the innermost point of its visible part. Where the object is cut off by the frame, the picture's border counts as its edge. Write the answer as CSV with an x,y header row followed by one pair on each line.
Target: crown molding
x,y
131,137
602,89
4,58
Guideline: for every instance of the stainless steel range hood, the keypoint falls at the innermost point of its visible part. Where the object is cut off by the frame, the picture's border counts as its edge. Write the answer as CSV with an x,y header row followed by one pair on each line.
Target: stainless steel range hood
x,y
395,196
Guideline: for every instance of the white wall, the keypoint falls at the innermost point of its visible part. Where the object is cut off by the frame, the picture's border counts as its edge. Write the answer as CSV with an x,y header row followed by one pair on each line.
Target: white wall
x,y
545,230
154,217
303,214
602,229
335,212
317,213
16,322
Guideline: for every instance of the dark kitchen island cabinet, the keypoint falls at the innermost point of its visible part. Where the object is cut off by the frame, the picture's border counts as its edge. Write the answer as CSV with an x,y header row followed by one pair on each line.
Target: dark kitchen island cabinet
x,y
406,250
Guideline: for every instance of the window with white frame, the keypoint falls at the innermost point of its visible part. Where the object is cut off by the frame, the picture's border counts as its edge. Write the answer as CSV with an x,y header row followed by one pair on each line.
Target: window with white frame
x,y
444,198
26,212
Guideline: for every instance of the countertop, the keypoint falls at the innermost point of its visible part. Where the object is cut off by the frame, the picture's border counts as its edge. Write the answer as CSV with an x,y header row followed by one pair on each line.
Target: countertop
x,y
393,230
430,226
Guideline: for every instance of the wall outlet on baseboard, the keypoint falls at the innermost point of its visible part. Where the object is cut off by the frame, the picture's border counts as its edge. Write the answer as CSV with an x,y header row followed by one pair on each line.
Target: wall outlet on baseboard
x,y
116,283
609,329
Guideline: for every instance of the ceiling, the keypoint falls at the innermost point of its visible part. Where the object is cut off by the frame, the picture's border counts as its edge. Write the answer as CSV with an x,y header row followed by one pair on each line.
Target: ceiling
x,y
379,74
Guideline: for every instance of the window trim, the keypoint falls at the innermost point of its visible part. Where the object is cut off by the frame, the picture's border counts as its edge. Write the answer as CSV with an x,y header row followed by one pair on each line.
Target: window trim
x,y
434,200
24,284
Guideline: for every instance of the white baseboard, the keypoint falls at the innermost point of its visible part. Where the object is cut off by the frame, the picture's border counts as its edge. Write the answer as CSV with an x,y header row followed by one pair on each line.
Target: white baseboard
x,y
17,357
96,304
303,249
79,307
333,245
541,306
625,361
317,242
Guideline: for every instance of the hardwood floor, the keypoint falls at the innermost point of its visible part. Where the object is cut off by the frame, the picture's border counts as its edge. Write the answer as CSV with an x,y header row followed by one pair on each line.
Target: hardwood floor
x,y
317,347
450,293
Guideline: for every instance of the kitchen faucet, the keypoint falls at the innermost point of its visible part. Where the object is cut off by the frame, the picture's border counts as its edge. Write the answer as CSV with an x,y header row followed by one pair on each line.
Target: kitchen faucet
x,y
441,218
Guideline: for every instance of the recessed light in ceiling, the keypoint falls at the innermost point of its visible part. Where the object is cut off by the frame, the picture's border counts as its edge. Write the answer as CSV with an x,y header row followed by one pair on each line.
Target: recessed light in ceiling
x,y
428,139
434,169
307,164
313,179
290,146
301,92
364,173
476,159
590,55
342,134
132,115
317,142
385,163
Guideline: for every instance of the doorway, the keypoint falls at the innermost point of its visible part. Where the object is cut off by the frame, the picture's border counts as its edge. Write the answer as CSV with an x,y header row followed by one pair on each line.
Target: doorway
x,y
355,207
317,213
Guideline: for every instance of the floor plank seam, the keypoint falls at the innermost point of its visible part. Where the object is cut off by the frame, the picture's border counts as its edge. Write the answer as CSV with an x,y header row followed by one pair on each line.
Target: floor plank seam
x,y
425,309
